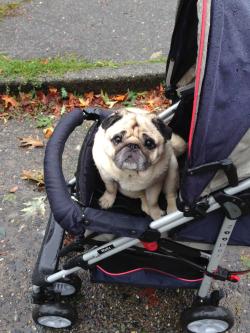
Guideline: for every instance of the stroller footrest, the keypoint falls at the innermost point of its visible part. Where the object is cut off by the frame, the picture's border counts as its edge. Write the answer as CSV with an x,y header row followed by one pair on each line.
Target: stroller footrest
x,y
115,223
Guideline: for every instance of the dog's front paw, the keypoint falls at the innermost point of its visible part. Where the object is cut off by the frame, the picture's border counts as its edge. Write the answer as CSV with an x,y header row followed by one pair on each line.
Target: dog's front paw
x,y
156,213
107,199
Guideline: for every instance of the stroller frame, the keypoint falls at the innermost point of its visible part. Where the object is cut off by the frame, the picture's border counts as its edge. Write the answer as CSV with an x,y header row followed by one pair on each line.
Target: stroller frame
x,y
47,279
163,224
209,76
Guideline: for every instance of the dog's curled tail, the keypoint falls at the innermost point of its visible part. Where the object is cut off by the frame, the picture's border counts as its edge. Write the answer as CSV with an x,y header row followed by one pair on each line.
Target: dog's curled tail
x,y
178,144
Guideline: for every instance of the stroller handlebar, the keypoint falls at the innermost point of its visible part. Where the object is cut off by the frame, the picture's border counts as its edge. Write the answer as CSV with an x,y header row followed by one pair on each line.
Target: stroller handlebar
x,y
66,212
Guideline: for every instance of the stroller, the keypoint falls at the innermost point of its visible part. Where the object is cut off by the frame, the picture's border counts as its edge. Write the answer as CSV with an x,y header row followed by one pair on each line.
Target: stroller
x,y
208,82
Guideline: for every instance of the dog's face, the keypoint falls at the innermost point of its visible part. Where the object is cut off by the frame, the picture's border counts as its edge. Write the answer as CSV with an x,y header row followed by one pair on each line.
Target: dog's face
x,y
134,141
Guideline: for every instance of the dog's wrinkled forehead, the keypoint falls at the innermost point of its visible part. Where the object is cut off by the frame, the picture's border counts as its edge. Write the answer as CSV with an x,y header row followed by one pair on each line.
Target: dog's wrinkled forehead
x,y
119,121
129,120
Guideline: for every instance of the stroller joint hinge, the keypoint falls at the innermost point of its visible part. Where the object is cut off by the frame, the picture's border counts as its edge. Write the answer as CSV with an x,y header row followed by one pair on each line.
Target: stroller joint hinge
x,y
150,235
197,209
76,262
213,299
232,205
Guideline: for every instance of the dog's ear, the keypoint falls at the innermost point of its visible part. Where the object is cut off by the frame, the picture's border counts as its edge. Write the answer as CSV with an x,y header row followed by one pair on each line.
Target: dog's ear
x,y
165,130
109,121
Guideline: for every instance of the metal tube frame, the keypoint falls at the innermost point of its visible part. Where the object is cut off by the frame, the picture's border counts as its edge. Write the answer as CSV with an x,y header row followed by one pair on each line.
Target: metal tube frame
x,y
217,254
163,224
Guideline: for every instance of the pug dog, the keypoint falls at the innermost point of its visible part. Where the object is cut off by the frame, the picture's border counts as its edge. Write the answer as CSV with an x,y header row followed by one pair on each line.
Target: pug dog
x,y
135,153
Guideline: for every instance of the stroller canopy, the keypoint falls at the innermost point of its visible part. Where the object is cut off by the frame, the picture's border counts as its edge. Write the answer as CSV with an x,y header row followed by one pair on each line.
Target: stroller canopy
x,y
219,34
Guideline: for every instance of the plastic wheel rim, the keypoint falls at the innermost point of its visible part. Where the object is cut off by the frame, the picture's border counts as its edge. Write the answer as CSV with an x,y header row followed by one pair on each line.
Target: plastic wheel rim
x,y
65,289
208,326
54,321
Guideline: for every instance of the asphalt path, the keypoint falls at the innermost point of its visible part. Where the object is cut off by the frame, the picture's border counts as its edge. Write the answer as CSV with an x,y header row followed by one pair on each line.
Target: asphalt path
x,y
96,30
101,308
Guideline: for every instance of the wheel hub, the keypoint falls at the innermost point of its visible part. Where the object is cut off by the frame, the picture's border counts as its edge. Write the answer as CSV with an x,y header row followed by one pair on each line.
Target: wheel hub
x,y
54,321
65,289
208,326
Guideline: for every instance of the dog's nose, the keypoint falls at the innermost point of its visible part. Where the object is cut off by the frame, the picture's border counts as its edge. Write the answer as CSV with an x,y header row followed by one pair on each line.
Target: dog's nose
x,y
133,146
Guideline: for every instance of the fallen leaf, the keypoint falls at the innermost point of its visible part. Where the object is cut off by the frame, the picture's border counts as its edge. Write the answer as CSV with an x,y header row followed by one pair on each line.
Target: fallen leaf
x,y
120,98
156,55
47,132
33,175
9,197
84,102
2,233
72,101
53,91
246,260
13,189
111,104
63,110
151,297
31,142
44,121
68,239
9,101
56,110
34,207
89,95
42,97
44,61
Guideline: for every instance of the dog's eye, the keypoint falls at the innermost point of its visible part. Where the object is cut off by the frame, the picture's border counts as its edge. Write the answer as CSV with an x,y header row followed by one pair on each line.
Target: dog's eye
x,y
150,144
117,139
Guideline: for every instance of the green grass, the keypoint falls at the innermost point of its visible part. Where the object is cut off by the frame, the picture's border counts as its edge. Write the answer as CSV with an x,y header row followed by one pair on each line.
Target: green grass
x,y
32,70
10,9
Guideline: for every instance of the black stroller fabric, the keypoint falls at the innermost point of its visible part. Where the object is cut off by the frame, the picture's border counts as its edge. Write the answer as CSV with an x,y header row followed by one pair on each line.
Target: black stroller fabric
x,y
223,114
126,218
147,270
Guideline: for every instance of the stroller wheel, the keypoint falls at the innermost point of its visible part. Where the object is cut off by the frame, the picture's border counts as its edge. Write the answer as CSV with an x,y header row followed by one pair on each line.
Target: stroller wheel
x,y
67,286
207,319
54,315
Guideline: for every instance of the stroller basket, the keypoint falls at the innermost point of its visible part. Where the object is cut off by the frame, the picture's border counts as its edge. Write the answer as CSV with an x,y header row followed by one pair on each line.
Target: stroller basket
x,y
128,267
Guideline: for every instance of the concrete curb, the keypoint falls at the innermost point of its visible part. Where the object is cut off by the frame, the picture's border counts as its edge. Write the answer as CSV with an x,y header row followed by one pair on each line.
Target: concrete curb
x,y
113,80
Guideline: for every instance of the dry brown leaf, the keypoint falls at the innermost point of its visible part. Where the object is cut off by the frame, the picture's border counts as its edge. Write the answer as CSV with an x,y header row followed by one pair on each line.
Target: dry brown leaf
x,y
44,61
120,98
13,189
33,175
53,91
31,142
89,95
47,132
84,102
42,97
9,101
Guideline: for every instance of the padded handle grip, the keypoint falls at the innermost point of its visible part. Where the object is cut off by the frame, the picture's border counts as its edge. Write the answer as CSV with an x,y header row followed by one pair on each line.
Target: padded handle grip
x,y
66,212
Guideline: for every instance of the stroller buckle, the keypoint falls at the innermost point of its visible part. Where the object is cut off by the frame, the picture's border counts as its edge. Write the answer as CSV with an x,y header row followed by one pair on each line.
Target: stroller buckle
x,y
234,278
197,209
222,274
150,246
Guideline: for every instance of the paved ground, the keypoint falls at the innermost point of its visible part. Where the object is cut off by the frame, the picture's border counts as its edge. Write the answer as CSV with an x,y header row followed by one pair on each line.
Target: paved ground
x,y
104,29
98,29
102,308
